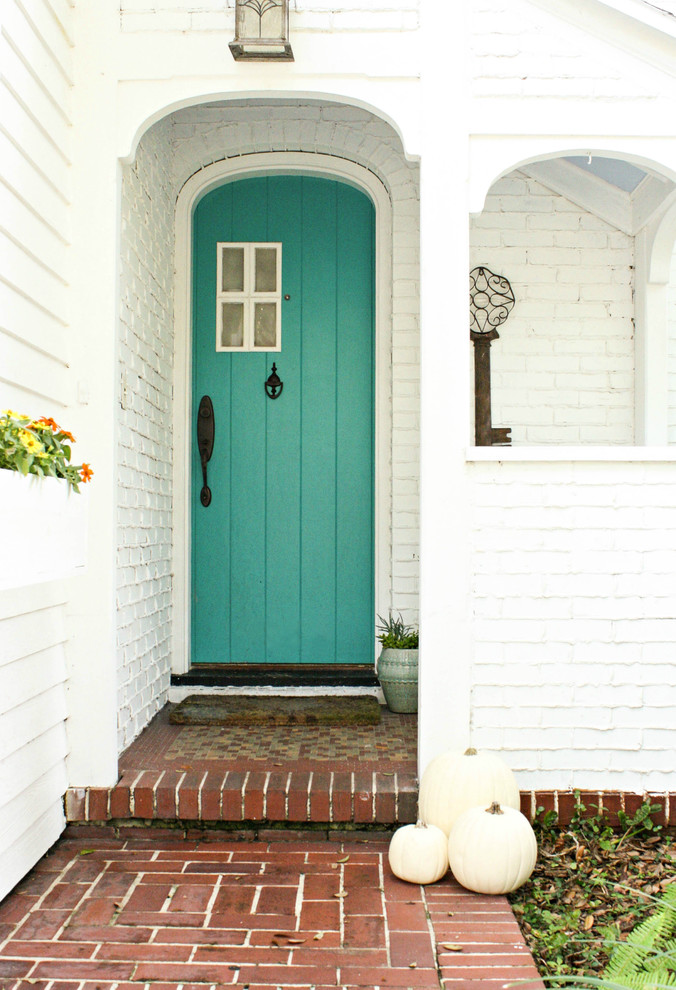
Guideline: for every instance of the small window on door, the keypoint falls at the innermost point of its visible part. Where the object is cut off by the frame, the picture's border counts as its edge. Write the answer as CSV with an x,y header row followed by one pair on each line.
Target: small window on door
x,y
248,297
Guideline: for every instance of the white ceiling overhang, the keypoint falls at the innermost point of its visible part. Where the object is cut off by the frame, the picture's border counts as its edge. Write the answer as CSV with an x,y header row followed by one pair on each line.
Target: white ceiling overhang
x,y
644,29
630,212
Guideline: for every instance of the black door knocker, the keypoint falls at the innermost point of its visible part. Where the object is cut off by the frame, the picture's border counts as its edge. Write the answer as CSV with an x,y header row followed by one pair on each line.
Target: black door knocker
x,y
205,443
274,384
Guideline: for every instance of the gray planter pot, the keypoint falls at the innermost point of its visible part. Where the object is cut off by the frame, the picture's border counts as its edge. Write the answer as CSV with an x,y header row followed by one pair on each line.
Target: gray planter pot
x,y
398,676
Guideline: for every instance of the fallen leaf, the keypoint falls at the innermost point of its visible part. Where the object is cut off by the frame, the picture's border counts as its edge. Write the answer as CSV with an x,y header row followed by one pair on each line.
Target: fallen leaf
x,y
451,946
344,859
412,965
86,852
450,914
319,936
588,922
341,893
295,941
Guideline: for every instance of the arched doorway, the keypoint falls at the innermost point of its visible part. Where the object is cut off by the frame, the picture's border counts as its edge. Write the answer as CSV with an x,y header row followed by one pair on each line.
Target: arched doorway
x,y
353,181
282,544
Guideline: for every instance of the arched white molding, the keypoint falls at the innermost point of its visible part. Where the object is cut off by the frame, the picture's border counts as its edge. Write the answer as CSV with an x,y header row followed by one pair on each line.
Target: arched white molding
x,y
140,117
654,244
201,183
491,159
661,236
654,250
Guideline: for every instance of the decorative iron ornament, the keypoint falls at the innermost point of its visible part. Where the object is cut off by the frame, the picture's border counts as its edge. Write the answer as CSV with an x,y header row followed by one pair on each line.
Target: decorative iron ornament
x,y
273,384
261,31
490,300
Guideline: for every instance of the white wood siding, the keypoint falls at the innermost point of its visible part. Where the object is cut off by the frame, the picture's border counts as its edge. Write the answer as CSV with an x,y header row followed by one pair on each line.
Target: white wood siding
x,y
35,126
32,726
35,83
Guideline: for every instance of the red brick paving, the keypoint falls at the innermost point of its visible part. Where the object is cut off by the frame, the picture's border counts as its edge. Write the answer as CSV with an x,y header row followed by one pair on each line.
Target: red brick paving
x,y
102,913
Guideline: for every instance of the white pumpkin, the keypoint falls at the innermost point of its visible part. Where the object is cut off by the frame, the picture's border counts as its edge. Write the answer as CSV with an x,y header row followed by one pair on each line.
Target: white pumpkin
x,y
419,853
492,850
454,782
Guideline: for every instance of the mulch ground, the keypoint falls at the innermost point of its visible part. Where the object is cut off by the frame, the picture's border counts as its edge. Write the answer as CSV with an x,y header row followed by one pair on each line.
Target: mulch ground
x,y
590,888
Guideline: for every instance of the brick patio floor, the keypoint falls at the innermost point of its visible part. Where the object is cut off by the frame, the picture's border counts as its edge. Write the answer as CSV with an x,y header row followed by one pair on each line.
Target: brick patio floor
x,y
163,911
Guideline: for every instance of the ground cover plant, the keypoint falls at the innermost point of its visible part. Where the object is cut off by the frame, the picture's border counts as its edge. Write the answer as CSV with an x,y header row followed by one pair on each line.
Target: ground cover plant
x,y
592,886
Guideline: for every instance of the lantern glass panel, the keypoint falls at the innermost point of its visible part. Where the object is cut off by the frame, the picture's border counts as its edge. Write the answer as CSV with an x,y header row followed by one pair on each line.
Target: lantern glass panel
x,y
260,19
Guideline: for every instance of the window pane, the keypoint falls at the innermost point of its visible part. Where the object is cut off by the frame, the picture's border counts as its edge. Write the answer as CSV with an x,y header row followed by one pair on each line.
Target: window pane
x,y
232,324
265,325
232,269
266,269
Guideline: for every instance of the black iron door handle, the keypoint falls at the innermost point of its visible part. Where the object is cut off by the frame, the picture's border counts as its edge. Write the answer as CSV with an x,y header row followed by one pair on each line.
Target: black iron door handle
x,y
205,443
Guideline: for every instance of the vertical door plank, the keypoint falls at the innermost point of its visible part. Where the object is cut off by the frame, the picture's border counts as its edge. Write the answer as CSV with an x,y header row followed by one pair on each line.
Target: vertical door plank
x,y
247,460
318,484
355,427
211,376
283,416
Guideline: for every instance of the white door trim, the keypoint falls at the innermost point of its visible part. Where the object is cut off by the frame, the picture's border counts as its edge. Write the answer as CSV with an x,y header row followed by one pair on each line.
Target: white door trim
x,y
202,182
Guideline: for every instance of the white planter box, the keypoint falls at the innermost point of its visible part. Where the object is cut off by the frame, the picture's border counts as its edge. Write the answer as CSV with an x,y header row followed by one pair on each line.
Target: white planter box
x,y
44,533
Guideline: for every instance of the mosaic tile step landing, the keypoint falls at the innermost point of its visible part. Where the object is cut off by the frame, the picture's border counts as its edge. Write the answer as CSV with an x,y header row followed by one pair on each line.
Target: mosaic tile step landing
x,y
389,746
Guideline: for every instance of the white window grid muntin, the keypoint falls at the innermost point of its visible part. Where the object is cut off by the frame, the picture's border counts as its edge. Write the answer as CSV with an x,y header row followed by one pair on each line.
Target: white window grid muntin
x,y
248,295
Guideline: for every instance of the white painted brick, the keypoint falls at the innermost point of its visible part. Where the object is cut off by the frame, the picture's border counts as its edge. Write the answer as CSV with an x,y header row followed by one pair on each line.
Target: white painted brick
x,y
613,660
156,21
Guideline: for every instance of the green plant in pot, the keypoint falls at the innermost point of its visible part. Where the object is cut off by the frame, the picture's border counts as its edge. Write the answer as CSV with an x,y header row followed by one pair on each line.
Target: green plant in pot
x,y
397,666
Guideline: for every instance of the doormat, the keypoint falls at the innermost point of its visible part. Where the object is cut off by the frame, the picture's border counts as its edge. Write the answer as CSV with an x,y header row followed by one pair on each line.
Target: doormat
x,y
215,709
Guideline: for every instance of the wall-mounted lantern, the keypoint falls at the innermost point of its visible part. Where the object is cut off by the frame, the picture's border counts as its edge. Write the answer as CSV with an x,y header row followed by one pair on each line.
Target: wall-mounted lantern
x,y
490,302
261,31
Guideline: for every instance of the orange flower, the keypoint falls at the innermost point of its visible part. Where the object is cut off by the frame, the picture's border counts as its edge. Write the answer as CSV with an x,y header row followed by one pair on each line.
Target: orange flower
x,y
86,473
51,424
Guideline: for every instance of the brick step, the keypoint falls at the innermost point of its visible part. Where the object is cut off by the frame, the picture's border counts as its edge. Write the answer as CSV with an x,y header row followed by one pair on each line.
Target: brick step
x,y
297,797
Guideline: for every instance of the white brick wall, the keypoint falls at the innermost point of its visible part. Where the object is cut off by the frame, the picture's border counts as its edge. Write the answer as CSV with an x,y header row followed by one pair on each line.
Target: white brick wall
x,y
145,436
575,622
168,155
563,368
518,50
305,15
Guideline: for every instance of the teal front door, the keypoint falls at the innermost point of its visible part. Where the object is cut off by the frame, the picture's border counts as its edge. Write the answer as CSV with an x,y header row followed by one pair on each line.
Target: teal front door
x,y
283,556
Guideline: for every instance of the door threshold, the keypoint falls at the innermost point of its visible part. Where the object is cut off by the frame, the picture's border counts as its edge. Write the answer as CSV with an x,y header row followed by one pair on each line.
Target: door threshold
x,y
272,675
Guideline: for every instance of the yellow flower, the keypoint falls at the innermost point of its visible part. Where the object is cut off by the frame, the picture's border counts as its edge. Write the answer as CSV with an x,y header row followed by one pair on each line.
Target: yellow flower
x,y
28,441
